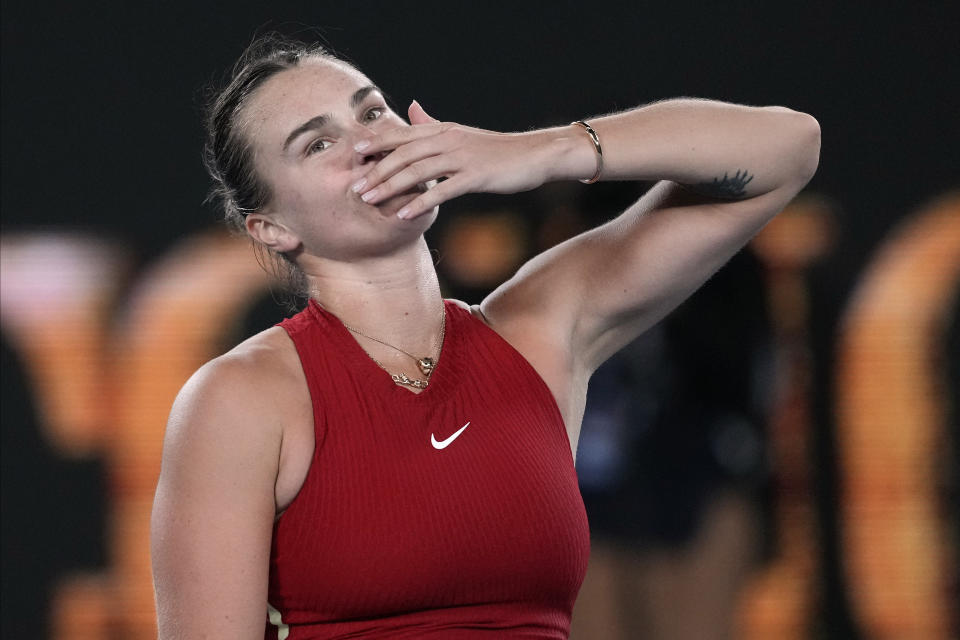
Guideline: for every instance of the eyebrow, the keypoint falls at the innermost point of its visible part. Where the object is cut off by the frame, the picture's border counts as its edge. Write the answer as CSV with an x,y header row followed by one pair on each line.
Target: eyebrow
x,y
318,122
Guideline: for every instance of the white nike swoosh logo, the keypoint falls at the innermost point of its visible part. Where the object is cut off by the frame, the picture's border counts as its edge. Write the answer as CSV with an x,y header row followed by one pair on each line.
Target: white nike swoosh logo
x,y
443,444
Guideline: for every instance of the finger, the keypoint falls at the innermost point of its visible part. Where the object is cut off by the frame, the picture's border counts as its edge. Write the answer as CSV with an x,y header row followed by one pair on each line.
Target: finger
x,y
418,115
409,177
442,192
394,162
390,140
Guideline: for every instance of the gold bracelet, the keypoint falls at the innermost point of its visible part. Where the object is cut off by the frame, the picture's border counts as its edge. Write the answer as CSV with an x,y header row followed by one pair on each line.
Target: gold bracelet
x,y
596,147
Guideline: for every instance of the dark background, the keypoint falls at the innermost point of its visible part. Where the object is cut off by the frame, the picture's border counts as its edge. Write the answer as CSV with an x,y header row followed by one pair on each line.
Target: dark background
x,y
101,102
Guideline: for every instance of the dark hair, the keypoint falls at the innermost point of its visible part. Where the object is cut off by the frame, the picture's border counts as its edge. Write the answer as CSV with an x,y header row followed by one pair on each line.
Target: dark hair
x,y
227,153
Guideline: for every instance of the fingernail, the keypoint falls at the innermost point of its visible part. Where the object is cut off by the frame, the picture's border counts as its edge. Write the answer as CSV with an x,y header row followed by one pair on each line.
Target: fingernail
x,y
369,195
360,146
403,213
359,184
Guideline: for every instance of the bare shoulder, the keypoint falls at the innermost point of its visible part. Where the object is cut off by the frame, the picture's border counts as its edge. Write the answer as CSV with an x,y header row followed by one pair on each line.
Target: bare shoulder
x,y
259,359
525,313
249,382
235,412
505,313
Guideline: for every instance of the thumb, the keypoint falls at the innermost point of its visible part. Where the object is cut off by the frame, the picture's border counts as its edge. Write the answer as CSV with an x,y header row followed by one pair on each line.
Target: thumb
x,y
418,116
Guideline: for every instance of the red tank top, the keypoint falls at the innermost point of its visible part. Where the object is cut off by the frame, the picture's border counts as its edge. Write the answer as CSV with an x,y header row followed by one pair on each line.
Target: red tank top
x,y
453,513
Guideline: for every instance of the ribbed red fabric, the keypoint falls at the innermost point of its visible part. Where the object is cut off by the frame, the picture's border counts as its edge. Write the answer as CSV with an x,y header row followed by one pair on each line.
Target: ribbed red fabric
x,y
391,537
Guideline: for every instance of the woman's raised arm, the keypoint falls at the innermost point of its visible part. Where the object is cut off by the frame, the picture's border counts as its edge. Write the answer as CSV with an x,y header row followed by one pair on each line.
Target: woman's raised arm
x,y
718,149
725,170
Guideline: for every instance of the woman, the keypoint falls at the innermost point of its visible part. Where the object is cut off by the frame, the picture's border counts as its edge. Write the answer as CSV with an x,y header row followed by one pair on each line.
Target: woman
x,y
390,464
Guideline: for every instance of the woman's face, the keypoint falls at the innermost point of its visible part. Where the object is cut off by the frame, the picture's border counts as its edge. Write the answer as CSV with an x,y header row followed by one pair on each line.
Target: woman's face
x,y
303,124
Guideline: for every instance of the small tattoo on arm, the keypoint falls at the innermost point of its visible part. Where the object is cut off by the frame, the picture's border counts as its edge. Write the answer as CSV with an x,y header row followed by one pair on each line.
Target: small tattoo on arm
x,y
729,187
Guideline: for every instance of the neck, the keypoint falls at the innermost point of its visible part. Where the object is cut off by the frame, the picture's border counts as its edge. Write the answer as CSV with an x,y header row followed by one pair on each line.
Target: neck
x,y
395,298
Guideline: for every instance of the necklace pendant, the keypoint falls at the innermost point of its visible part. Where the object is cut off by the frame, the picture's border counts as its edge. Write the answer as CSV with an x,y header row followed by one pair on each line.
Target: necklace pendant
x,y
426,365
401,378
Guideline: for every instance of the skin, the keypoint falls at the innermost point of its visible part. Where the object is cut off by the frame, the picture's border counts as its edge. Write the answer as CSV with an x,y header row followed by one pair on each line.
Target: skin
x,y
240,437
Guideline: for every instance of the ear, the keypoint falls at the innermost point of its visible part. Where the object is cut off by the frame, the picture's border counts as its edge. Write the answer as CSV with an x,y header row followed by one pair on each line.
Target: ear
x,y
270,233
417,115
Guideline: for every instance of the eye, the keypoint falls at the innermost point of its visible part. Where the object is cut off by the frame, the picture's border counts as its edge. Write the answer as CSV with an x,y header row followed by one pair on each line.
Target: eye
x,y
373,113
318,145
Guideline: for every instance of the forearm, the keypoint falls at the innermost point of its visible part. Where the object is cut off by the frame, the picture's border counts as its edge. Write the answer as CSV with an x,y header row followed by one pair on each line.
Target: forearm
x,y
721,150
716,148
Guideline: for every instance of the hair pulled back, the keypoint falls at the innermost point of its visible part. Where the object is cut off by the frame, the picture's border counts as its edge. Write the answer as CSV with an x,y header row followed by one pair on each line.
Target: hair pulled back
x,y
228,153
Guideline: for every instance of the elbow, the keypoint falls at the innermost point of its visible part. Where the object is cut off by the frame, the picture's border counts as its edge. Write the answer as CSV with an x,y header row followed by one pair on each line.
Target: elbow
x,y
802,137
808,147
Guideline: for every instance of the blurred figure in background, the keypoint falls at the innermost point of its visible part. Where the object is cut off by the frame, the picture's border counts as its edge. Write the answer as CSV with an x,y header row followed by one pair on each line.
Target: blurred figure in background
x,y
674,469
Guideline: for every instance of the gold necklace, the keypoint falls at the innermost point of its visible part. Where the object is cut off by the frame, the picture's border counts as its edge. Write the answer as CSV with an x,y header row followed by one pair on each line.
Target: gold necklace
x,y
426,364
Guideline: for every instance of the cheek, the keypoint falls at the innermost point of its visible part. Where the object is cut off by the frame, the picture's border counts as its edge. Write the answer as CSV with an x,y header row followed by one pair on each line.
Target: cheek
x,y
302,191
311,189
